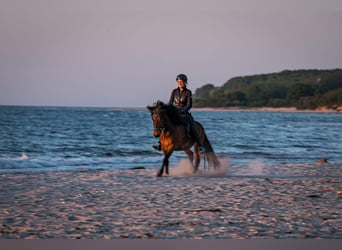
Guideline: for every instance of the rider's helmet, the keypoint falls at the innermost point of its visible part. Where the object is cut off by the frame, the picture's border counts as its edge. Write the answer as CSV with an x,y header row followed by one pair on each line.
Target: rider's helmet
x,y
182,77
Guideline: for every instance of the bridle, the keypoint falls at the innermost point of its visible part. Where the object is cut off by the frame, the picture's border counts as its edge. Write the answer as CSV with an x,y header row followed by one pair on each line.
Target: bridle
x,y
158,125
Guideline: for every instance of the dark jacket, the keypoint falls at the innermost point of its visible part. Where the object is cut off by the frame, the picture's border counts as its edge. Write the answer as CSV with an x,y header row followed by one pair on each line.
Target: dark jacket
x,y
181,100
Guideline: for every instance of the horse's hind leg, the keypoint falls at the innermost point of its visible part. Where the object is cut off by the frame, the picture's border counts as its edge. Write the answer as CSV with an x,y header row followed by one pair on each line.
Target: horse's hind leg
x,y
193,156
190,155
196,158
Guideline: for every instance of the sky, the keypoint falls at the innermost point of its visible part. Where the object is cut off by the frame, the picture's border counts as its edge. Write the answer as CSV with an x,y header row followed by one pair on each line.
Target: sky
x,y
125,53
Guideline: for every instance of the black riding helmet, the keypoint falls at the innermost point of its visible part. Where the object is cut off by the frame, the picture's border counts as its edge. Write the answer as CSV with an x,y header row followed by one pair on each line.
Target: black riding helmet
x,y
182,77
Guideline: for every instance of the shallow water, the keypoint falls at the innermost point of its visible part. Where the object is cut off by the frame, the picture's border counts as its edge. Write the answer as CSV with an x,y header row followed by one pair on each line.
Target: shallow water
x,y
83,139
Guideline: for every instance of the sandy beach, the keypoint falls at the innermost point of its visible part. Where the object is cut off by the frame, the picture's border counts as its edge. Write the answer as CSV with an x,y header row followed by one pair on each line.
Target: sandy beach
x,y
278,202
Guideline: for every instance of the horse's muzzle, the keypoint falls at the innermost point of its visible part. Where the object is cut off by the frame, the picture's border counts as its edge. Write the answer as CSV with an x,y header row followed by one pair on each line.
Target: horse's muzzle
x,y
156,133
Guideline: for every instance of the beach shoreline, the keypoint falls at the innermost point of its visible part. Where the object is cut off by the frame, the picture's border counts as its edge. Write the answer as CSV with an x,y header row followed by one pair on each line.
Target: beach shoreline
x,y
131,204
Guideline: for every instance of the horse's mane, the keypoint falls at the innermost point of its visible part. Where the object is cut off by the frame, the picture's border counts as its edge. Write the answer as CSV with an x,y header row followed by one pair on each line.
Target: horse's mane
x,y
172,112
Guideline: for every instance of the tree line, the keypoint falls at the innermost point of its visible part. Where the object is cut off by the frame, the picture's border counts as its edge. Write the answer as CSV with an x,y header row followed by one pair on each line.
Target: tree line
x,y
303,89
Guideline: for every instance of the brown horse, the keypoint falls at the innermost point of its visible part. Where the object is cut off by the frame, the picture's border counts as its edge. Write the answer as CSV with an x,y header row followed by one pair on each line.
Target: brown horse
x,y
170,126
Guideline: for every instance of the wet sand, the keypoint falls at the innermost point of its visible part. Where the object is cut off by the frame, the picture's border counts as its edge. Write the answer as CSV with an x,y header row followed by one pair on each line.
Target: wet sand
x,y
256,201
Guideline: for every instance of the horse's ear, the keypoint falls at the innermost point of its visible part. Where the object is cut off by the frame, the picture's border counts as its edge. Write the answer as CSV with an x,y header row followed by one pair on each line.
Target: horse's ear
x,y
150,108
160,103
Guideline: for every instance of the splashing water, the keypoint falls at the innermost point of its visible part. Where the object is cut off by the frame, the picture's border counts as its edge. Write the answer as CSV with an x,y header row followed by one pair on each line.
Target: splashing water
x,y
184,168
23,157
256,167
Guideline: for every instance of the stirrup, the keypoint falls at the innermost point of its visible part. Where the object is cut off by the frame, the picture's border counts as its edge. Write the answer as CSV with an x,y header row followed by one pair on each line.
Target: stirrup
x,y
157,147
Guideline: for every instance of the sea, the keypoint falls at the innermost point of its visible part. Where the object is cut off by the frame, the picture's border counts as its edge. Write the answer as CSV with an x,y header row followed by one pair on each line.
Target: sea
x,y
46,139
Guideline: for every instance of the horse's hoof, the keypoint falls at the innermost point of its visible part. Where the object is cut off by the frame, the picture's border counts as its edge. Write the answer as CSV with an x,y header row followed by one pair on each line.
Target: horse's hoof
x,y
162,175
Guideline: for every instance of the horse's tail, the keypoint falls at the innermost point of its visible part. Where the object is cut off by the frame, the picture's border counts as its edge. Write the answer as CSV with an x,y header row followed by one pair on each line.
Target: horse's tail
x,y
211,156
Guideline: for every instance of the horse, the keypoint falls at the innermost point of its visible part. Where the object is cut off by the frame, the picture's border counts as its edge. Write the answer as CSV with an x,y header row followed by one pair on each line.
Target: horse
x,y
171,128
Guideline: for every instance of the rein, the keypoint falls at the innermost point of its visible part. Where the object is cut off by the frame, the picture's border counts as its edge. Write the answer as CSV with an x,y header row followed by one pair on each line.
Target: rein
x,y
159,129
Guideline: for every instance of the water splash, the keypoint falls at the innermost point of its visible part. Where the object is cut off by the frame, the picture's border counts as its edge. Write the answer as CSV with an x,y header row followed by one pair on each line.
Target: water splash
x,y
184,168
256,167
23,157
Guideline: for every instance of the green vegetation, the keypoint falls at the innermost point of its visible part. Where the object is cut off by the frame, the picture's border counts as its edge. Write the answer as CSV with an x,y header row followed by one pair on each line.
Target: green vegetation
x,y
303,89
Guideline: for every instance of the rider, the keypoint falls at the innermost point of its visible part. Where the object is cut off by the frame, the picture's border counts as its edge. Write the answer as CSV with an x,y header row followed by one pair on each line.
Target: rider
x,y
181,98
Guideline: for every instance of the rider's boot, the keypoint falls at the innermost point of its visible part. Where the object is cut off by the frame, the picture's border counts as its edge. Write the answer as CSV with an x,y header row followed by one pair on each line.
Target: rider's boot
x,y
157,146
188,130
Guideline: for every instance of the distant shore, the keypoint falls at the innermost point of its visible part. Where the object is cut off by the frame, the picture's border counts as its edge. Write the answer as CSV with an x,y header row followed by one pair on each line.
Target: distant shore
x,y
223,109
255,109
270,109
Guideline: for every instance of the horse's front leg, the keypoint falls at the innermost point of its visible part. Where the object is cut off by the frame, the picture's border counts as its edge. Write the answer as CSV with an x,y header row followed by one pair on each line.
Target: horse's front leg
x,y
166,161
165,165
161,170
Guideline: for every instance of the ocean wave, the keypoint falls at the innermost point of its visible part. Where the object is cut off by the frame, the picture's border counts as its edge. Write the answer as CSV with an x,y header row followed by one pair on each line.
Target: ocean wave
x,y
27,164
53,139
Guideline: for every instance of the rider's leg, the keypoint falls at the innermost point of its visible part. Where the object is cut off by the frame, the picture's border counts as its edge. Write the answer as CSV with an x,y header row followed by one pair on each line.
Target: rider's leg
x,y
188,129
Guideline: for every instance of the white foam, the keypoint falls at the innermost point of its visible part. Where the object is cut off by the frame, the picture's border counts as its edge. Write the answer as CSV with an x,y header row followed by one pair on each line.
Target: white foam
x,y
23,156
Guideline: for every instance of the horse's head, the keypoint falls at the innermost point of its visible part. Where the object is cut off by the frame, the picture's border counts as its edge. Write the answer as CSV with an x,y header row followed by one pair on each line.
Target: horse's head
x,y
157,112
